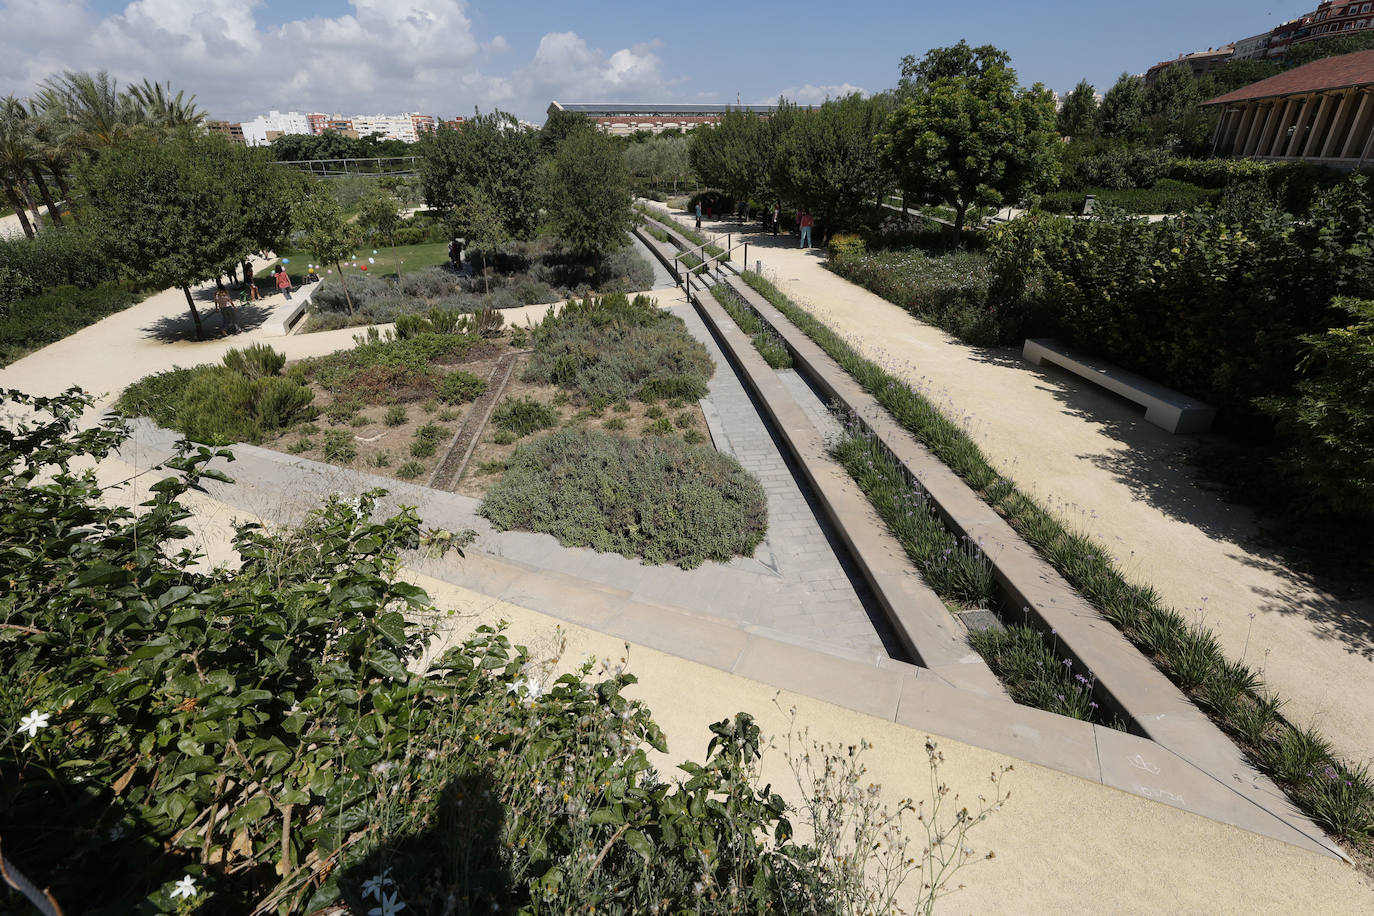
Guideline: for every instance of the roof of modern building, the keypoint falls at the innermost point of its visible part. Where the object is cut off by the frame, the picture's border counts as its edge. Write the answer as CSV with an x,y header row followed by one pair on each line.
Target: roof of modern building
x,y
1344,72
612,109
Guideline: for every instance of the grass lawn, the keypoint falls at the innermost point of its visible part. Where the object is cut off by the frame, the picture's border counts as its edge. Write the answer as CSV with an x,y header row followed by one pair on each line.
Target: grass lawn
x,y
412,257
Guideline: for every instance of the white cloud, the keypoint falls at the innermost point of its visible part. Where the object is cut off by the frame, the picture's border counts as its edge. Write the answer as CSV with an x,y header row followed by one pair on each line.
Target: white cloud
x,y
813,95
566,68
380,56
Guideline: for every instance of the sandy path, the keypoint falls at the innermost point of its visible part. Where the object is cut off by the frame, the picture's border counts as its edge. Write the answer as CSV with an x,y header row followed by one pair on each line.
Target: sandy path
x,y
1094,460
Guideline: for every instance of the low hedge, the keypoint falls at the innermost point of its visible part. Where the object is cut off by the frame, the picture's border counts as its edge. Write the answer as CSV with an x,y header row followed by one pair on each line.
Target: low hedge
x,y
1167,196
32,323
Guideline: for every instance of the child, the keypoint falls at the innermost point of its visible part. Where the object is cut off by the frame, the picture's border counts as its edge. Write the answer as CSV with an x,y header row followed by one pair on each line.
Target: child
x,y
284,282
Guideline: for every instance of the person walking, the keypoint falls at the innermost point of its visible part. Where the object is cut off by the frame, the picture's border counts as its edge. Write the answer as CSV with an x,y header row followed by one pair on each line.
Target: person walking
x,y
805,222
225,306
777,218
284,282
698,214
249,281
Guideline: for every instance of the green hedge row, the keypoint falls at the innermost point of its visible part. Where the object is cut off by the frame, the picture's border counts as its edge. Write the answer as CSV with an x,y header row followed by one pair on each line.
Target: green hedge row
x,y
32,323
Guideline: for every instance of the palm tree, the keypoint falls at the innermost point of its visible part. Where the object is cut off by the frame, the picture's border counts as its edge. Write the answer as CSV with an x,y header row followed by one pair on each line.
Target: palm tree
x,y
99,114
11,109
161,109
16,158
56,145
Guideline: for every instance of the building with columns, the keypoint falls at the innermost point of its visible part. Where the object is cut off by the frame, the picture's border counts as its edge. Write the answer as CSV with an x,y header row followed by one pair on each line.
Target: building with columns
x,y
1322,112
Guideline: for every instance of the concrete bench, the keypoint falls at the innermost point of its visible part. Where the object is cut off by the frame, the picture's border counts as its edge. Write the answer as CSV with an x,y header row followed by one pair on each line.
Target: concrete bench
x,y
1164,407
285,315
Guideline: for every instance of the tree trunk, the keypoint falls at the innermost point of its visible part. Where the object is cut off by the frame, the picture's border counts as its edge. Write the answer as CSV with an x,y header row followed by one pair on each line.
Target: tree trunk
x,y
47,195
486,284
18,206
344,284
32,204
195,315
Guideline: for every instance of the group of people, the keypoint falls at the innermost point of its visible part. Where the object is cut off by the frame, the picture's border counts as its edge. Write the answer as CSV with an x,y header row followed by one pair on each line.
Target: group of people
x,y
224,303
772,220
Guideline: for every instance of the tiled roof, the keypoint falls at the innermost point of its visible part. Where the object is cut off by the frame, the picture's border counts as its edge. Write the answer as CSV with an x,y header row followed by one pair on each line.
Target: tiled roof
x,y
1342,72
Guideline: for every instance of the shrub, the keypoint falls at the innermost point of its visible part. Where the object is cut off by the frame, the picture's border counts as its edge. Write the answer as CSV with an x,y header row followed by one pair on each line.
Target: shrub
x,y
654,412
612,348
257,361
503,437
410,470
660,427
408,326
614,423
685,420
339,447
431,432
422,448
948,290
381,459
375,367
280,402
395,415
44,317
659,499
460,387
1328,424
156,396
524,415
844,244
293,695
1167,196
694,437
65,256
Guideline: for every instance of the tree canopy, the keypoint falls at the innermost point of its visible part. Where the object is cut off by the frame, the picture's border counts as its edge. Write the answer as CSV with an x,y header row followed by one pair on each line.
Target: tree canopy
x,y
972,139
590,193
1078,115
185,210
492,154
1123,106
825,159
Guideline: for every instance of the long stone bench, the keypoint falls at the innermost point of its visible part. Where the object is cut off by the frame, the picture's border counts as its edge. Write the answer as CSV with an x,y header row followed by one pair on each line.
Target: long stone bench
x,y
1164,407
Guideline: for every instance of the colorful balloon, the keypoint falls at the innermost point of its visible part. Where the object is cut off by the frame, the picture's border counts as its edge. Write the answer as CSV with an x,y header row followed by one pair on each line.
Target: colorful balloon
x,y
362,267
372,260
286,260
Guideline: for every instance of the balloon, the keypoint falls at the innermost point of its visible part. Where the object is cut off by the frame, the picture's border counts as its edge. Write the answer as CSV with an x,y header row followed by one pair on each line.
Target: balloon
x,y
374,251
362,267
286,260
372,260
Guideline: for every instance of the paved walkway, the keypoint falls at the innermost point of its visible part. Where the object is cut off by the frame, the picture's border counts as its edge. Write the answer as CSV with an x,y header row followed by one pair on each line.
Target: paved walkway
x,y
1104,470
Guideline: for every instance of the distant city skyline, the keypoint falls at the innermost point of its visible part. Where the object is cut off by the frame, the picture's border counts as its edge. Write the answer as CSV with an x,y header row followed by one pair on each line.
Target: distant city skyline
x,y
242,58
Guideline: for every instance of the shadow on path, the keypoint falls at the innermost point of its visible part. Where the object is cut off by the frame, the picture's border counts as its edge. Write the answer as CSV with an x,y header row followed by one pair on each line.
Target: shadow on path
x,y
181,327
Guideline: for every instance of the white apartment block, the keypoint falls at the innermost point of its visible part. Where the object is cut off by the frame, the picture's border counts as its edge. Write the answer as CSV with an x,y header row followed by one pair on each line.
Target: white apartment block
x,y
265,128
391,127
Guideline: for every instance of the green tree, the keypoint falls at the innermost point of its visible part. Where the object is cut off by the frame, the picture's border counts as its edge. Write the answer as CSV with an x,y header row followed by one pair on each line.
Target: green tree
x,y
329,236
18,157
1332,46
972,140
735,155
477,219
165,211
1078,114
1123,106
382,214
559,126
491,153
825,159
947,63
1173,94
590,196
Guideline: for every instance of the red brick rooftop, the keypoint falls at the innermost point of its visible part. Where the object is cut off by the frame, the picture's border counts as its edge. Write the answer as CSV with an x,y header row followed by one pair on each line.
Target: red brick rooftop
x,y
1344,72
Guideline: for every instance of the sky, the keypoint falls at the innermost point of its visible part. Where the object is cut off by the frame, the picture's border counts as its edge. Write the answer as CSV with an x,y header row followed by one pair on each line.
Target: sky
x,y
241,58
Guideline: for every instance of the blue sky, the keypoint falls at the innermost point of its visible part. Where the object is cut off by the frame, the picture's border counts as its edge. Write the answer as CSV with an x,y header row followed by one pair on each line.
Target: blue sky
x,y
241,57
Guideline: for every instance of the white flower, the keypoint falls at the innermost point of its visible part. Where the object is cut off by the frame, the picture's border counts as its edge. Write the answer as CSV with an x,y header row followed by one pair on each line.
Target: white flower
x,y
390,906
186,887
530,686
33,722
373,886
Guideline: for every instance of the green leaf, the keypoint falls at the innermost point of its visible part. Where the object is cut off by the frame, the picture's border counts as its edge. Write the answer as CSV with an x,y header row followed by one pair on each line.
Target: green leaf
x,y
640,844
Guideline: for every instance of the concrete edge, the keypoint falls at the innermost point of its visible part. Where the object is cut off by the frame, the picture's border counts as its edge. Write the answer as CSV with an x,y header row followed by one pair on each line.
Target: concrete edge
x,y
1137,688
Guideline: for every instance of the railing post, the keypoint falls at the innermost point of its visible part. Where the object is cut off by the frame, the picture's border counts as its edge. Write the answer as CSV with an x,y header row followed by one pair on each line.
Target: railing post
x,y
746,256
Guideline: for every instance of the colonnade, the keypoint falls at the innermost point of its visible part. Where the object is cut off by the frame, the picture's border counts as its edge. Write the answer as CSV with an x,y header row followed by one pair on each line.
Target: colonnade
x,y
1334,125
